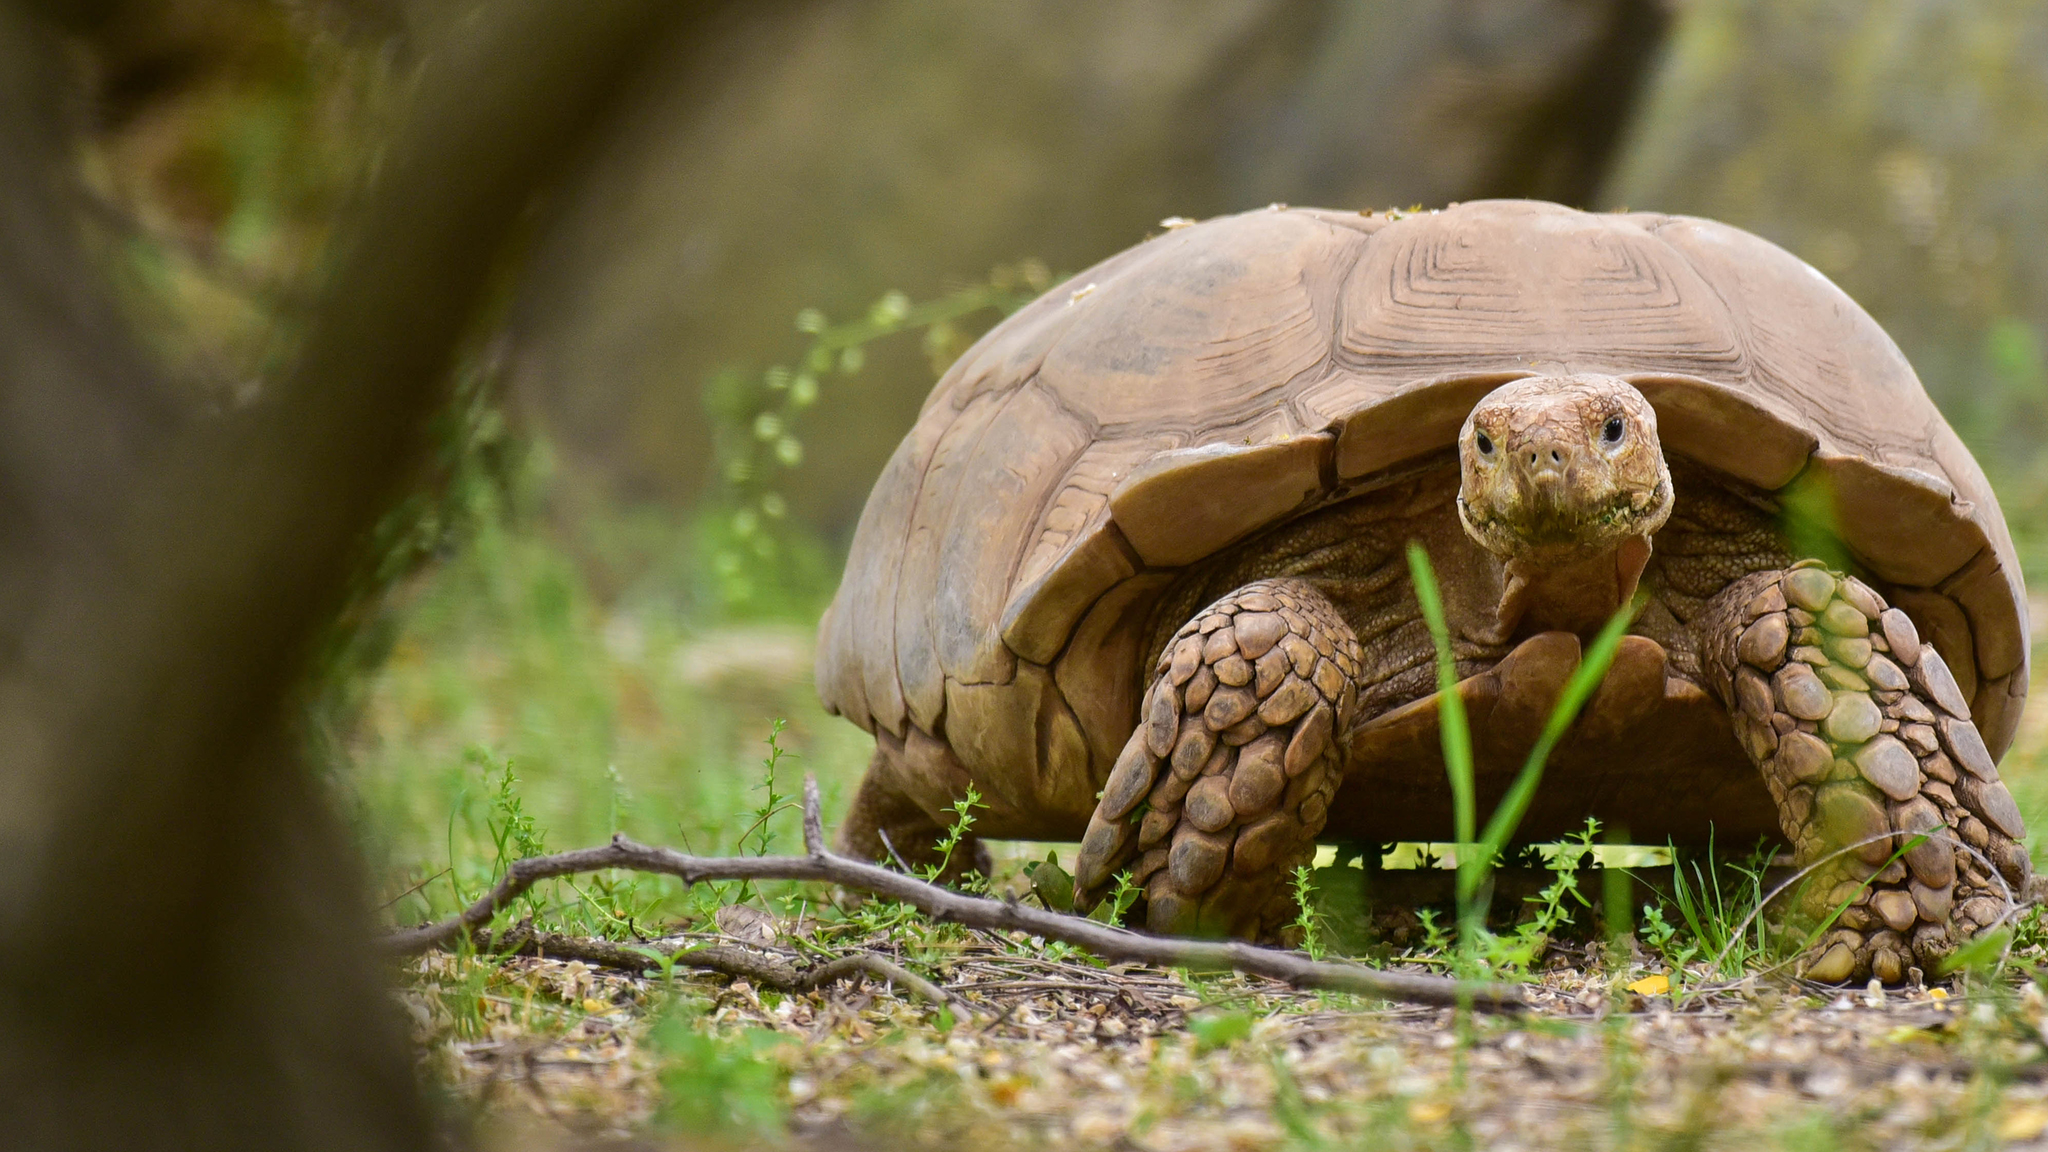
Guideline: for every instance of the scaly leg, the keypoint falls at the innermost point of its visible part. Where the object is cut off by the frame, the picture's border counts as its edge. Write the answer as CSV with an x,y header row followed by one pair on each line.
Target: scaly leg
x,y
1222,789
1859,730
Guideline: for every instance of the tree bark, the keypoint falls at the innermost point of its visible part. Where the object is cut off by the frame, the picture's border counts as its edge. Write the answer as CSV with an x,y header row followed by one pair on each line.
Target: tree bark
x,y
162,577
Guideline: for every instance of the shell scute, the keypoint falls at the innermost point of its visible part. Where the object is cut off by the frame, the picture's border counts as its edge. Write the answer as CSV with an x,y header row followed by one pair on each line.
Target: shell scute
x,y
1207,331
1565,288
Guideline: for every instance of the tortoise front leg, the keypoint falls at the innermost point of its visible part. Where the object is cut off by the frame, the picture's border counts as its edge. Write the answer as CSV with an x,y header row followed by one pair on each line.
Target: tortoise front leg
x,y
1859,730
1222,789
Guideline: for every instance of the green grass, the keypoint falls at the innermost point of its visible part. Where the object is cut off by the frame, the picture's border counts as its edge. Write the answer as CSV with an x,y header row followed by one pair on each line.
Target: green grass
x,y
635,715
520,708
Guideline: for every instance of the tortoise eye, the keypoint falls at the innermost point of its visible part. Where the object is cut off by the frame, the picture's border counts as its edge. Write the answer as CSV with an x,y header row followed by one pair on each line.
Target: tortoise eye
x,y
1611,434
1485,444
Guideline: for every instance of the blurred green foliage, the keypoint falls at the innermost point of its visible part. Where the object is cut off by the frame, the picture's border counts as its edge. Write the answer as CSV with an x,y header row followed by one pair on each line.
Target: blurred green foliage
x,y
759,560
626,665
634,712
1898,147
720,1087
232,136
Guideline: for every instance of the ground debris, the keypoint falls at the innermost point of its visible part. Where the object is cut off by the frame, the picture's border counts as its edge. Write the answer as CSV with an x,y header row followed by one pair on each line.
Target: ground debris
x,y
1063,1048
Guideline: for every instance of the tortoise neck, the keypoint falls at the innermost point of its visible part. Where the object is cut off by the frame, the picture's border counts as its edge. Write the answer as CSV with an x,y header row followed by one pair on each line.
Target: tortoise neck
x,y
1570,590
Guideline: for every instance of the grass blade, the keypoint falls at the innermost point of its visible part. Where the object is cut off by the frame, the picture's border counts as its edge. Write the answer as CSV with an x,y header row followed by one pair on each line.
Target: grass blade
x,y
1897,855
1476,853
1508,816
1455,731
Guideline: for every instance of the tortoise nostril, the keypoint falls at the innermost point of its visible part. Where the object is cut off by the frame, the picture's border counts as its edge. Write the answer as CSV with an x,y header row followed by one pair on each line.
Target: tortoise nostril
x,y
1555,458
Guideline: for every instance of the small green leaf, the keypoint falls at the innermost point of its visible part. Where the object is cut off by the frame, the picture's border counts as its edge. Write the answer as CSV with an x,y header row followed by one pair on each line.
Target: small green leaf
x,y
1052,884
1981,952
1213,1030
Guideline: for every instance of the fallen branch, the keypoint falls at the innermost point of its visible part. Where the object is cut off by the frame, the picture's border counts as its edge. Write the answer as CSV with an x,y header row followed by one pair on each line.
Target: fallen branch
x,y
732,960
1105,940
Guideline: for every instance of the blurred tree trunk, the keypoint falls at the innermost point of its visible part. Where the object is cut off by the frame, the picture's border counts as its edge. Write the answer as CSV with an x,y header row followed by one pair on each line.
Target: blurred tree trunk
x,y
823,154
185,956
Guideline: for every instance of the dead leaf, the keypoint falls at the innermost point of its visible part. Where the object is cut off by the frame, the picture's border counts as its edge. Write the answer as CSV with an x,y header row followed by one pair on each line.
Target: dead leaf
x,y
2023,1123
746,924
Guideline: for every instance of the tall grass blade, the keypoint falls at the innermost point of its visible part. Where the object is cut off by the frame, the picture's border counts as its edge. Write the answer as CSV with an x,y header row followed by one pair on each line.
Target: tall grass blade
x,y
1897,855
1593,669
1453,728
1476,852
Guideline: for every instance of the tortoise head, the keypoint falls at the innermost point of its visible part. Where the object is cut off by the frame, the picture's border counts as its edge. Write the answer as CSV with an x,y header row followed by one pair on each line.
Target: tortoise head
x,y
1554,467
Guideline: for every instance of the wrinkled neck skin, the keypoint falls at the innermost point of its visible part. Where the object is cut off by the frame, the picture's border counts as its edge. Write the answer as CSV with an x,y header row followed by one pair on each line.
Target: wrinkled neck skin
x,y
1569,589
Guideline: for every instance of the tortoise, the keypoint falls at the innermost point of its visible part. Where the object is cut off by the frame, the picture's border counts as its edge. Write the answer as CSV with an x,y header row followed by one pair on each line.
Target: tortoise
x,y
1137,573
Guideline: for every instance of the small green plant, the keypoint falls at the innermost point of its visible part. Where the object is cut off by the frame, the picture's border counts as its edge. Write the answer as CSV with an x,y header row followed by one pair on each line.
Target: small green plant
x,y
1214,1029
714,1087
514,835
665,961
1564,862
773,803
1121,897
468,1002
2030,930
956,833
1658,933
882,917
1305,919
1435,937
895,919
1717,915
1551,908
611,905
756,555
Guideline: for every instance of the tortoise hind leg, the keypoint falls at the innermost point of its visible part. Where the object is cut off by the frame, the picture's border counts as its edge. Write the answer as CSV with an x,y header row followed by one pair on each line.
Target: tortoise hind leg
x,y
887,823
1234,760
1859,731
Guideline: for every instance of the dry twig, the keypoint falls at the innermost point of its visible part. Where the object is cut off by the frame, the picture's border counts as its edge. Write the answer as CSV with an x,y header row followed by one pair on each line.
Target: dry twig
x,y
733,960
1104,940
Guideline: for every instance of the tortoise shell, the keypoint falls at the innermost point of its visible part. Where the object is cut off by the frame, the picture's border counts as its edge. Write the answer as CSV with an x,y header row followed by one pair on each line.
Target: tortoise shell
x,y
1229,375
